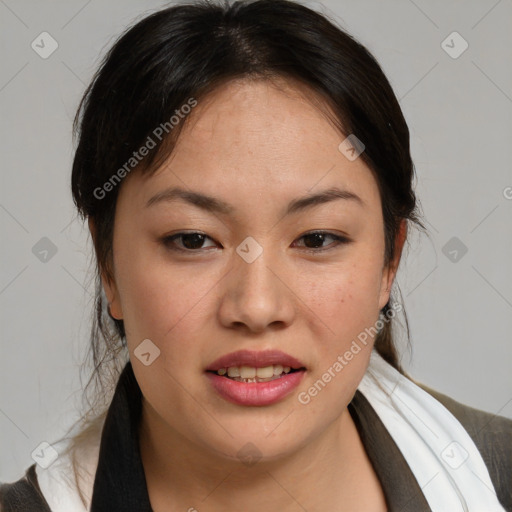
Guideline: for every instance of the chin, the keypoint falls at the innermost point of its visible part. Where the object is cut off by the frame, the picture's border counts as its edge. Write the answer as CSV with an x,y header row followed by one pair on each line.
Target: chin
x,y
264,439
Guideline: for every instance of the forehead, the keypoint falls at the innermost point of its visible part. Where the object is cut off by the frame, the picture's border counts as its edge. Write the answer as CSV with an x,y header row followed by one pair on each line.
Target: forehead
x,y
259,120
259,136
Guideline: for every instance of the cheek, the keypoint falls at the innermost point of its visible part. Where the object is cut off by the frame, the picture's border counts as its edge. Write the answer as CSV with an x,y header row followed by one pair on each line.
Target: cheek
x,y
347,301
345,297
166,303
156,303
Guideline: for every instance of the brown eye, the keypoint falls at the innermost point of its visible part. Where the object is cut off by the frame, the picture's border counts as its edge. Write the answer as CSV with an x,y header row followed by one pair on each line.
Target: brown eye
x,y
314,241
188,241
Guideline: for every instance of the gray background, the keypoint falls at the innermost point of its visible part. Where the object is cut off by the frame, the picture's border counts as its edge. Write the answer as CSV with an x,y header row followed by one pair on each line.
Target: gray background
x,y
459,111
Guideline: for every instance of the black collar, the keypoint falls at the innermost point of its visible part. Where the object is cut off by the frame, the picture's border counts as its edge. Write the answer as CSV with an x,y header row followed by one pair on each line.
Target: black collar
x,y
120,483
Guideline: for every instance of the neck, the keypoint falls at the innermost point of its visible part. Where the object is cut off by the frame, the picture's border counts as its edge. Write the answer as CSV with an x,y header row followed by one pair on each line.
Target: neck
x,y
183,476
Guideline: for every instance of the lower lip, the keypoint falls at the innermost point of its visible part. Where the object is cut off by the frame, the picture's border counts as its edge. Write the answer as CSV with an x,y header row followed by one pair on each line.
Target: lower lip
x,y
255,393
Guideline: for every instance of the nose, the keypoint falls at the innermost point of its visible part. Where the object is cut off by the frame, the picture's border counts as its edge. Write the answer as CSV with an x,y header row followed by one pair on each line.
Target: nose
x,y
256,296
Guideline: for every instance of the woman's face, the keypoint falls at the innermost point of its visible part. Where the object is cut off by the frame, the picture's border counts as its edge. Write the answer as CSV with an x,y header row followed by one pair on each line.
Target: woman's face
x,y
253,278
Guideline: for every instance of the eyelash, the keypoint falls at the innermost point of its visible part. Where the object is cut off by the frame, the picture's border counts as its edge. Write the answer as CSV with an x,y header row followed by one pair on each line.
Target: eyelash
x,y
168,241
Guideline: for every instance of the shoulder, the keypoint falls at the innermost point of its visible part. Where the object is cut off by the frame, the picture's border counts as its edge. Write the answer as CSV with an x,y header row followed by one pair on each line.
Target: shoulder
x,y
23,495
64,486
492,434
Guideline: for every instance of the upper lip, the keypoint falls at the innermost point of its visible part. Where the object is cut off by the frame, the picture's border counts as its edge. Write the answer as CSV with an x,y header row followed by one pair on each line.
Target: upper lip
x,y
255,359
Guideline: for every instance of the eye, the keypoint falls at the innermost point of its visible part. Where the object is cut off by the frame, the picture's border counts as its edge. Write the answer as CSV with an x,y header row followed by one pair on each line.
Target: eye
x,y
194,241
314,240
188,241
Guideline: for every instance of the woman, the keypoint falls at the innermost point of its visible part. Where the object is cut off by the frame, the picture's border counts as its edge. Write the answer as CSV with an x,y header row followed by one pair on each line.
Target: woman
x,y
246,176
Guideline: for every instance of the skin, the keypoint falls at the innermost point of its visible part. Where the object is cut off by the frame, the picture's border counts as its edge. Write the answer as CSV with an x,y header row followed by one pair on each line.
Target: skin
x,y
256,147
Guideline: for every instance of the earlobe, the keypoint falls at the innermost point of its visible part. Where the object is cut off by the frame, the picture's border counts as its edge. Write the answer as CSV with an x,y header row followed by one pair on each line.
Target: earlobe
x,y
390,271
113,306
108,283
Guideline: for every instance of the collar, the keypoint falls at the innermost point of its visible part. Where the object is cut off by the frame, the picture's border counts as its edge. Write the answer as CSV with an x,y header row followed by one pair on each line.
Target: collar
x,y
120,482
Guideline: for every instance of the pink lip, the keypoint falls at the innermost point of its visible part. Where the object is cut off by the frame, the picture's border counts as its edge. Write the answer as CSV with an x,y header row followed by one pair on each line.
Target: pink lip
x,y
255,393
255,359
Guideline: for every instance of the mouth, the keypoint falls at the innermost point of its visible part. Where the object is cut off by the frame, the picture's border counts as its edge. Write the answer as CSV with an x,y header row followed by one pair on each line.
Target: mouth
x,y
255,378
252,374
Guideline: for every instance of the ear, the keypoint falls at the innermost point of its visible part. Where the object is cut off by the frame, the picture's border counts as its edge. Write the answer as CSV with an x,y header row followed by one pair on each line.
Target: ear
x,y
389,273
108,282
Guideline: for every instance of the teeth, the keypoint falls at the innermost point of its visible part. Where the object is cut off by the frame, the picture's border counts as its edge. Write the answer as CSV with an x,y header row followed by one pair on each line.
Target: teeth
x,y
233,371
250,373
246,372
278,369
265,373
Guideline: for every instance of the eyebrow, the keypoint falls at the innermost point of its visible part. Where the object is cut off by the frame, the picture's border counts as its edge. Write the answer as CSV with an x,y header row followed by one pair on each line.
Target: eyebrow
x,y
214,205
